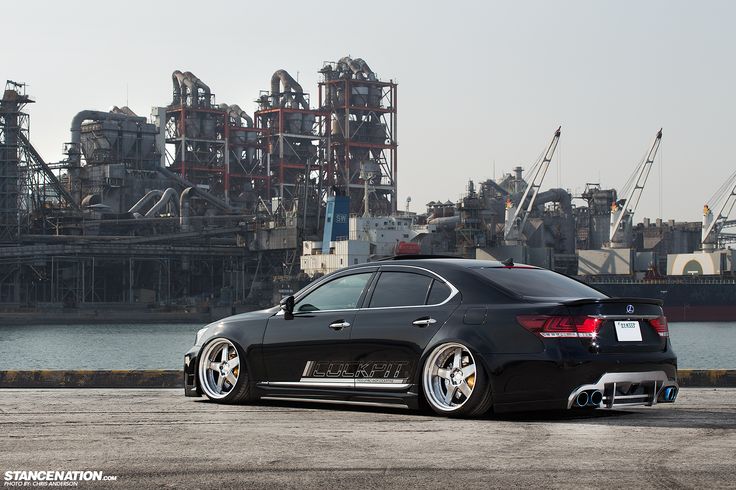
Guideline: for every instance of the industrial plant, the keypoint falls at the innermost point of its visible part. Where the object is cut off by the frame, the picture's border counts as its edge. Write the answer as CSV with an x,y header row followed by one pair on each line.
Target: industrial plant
x,y
201,205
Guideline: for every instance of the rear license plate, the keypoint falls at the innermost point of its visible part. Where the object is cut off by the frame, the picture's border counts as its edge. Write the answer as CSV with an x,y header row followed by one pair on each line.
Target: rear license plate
x,y
628,331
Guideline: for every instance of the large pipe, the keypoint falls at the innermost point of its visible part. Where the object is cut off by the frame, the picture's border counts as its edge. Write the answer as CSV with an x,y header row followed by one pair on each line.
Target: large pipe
x,y
283,83
563,198
229,111
176,80
150,195
238,113
560,196
169,195
365,69
184,207
193,83
357,67
201,84
346,63
202,193
189,90
282,77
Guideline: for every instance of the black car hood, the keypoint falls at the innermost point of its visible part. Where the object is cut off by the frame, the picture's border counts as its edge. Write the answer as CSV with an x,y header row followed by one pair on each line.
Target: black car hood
x,y
259,318
251,315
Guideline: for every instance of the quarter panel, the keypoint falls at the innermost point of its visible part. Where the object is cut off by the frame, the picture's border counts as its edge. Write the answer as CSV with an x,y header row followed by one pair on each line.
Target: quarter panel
x,y
495,331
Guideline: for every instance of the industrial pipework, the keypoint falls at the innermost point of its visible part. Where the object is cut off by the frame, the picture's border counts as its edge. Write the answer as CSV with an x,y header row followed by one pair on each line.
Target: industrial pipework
x,y
186,89
354,68
184,207
74,151
282,87
235,112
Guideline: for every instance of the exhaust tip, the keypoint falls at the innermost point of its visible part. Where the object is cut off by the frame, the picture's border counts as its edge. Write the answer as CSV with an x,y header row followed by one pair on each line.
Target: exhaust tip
x,y
582,399
596,397
670,393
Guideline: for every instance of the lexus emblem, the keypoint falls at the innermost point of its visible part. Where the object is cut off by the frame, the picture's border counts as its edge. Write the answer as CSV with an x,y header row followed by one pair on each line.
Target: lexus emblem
x,y
629,309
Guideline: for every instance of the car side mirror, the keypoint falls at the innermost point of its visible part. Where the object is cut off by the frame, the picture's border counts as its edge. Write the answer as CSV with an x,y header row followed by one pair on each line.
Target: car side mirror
x,y
287,305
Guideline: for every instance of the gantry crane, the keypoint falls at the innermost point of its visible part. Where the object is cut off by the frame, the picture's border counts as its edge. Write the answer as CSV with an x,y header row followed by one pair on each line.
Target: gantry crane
x,y
517,213
623,210
726,195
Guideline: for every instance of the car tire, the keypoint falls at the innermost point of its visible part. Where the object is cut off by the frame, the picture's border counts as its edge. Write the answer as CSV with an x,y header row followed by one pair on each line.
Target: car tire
x,y
454,383
222,373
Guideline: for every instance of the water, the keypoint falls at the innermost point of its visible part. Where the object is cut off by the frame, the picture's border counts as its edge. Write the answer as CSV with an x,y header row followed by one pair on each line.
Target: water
x,y
704,345
152,346
698,346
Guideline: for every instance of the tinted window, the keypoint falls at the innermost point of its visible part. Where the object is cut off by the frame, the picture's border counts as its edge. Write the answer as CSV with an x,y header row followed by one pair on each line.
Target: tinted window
x,y
439,292
538,283
400,289
339,294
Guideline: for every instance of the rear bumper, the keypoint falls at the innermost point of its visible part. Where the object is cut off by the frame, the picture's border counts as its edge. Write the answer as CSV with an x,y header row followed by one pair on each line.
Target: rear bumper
x,y
548,380
629,388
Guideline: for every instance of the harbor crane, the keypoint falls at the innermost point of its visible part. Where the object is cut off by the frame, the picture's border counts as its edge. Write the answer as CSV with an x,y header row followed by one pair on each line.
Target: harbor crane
x,y
623,210
517,213
726,196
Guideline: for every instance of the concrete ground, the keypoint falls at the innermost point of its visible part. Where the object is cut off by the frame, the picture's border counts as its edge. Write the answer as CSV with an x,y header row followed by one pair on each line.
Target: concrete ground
x,y
158,438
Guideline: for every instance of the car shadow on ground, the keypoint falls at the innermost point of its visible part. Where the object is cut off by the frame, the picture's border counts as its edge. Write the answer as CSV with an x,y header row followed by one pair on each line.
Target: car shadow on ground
x,y
649,417
658,416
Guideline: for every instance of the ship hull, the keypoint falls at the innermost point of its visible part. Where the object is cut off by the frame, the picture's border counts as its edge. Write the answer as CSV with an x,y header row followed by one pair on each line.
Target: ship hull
x,y
682,302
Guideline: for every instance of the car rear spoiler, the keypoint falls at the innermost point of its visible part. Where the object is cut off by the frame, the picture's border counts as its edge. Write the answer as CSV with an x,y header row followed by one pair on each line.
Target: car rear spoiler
x,y
586,301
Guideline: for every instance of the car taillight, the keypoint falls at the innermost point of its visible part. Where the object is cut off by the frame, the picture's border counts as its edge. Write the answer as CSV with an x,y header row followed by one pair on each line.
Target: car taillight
x,y
548,326
660,325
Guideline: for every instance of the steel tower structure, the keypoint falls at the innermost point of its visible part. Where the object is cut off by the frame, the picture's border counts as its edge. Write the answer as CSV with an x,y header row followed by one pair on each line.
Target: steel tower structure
x,y
359,135
13,123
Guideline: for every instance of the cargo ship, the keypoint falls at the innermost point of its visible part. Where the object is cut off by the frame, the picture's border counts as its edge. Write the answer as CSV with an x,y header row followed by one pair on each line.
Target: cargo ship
x,y
685,299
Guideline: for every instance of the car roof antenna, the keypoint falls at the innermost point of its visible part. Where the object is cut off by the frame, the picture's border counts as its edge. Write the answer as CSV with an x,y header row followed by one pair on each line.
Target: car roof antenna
x,y
508,262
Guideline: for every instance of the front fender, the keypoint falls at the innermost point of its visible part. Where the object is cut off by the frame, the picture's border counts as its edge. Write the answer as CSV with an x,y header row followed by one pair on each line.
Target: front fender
x,y
247,330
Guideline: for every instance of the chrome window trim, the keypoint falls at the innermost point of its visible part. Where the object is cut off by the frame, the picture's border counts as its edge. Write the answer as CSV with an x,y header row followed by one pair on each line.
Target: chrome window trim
x,y
304,313
326,283
323,383
453,292
337,383
332,276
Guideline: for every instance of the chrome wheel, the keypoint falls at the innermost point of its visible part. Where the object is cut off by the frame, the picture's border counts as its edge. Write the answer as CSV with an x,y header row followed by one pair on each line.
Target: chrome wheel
x,y
219,367
449,377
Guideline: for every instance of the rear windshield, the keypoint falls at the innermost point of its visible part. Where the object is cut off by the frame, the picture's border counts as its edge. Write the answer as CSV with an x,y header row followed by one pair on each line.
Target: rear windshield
x,y
538,283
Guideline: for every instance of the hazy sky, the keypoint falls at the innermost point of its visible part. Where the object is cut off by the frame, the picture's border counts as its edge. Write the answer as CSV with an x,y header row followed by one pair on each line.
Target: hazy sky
x,y
479,82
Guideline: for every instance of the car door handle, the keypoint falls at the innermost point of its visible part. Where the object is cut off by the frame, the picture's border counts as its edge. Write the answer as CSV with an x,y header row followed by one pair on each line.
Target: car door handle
x,y
339,325
423,322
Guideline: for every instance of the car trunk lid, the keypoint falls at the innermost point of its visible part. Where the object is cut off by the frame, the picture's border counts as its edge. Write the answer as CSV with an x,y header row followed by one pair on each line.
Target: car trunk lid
x,y
622,325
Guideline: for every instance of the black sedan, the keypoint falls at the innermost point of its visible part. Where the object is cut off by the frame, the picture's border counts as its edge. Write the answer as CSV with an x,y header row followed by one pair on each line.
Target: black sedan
x,y
461,336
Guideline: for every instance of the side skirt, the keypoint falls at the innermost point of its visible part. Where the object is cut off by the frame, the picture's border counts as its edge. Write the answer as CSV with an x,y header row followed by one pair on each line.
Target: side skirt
x,y
408,399
336,402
